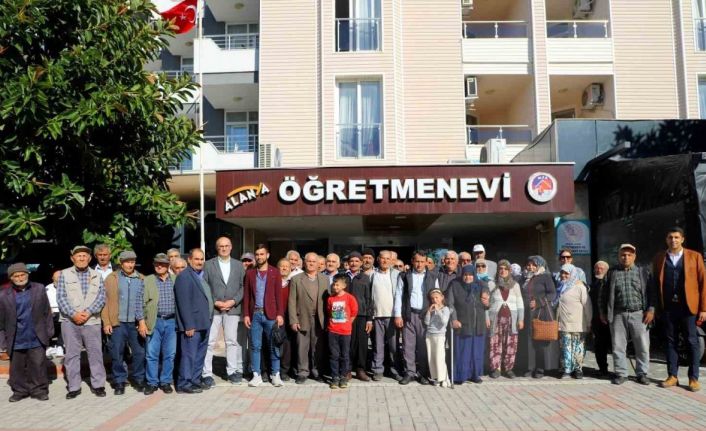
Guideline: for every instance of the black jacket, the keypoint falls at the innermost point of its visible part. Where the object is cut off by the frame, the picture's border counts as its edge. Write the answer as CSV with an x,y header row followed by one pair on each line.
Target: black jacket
x,y
41,315
361,288
467,307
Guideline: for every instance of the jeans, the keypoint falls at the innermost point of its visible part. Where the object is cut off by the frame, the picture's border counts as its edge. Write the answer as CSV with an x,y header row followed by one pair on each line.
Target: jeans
x,y
163,339
675,322
126,334
339,348
262,326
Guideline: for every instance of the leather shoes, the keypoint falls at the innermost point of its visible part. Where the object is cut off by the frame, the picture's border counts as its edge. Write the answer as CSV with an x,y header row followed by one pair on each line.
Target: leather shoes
x,y
166,388
694,385
138,386
405,380
423,380
618,380
671,381
189,390
149,390
73,394
41,397
99,392
643,380
349,376
16,397
119,389
361,375
300,380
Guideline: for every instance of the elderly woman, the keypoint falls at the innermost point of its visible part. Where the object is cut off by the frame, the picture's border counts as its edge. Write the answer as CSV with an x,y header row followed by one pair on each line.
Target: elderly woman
x,y
538,293
482,275
574,313
505,317
468,300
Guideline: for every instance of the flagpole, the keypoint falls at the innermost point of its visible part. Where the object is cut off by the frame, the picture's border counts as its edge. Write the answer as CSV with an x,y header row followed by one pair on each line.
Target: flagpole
x,y
202,209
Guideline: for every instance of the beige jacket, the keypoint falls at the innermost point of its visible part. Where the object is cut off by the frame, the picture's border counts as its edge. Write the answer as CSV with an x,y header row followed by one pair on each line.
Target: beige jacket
x,y
575,311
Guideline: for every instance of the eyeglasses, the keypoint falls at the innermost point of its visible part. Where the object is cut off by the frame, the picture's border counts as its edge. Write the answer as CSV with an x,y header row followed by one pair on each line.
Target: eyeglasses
x,y
562,257
480,266
399,266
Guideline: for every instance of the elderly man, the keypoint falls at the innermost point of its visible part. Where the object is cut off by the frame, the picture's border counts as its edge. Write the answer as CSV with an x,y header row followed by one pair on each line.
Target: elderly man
x,y
225,277
176,266
384,283
333,263
479,253
464,258
81,297
263,307
601,331
295,260
368,265
321,266
102,255
360,287
194,305
628,305
27,322
172,254
449,272
680,279
248,260
120,318
156,315
307,298
411,302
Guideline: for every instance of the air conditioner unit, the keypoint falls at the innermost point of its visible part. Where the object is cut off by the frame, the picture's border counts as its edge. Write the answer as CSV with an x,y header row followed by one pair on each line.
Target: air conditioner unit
x,y
467,4
582,8
592,96
264,156
493,151
471,87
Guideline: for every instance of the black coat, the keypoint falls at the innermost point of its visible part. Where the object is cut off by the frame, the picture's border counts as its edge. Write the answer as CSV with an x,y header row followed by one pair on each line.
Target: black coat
x,y
467,307
542,289
42,317
361,287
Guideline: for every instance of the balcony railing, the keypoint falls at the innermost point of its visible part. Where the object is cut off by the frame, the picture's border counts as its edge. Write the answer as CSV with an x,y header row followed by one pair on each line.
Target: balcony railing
x,y
233,144
513,134
578,29
358,34
236,41
700,33
176,74
358,141
494,29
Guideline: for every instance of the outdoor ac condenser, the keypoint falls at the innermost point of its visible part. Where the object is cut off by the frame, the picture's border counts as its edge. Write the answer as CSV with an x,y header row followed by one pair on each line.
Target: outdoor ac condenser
x,y
493,151
467,4
592,96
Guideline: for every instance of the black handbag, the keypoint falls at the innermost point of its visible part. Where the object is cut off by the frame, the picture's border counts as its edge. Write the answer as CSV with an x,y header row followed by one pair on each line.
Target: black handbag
x,y
279,335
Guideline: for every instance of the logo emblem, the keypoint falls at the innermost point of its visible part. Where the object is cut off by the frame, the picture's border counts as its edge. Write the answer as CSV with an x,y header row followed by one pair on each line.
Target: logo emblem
x,y
243,195
542,187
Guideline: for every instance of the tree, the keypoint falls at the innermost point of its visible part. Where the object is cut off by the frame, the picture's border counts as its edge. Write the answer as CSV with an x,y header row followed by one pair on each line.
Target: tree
x,y
86,135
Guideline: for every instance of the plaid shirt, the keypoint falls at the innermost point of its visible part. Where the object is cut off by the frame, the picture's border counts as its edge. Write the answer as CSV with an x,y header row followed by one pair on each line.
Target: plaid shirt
x,y
166,304
63,300
628,289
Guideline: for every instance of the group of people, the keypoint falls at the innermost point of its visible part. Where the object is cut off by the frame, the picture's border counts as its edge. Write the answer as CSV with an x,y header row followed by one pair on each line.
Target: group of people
x,y
316,316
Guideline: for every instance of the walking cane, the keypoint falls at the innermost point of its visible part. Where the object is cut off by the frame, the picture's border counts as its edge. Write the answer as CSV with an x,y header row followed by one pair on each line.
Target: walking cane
x,y
452,357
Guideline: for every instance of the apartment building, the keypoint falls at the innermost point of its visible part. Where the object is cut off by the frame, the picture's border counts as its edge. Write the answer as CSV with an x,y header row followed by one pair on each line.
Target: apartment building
x,y
364,90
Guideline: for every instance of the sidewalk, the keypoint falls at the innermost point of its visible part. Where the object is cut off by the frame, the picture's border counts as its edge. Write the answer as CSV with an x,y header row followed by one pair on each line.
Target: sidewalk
x,y
520,404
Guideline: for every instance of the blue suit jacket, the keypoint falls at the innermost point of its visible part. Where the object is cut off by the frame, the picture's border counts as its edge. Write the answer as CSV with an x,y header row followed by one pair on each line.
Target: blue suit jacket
x,y
193,302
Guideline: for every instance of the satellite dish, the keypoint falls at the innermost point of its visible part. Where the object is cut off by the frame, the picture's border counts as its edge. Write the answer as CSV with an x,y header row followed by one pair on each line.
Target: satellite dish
x,y
278,158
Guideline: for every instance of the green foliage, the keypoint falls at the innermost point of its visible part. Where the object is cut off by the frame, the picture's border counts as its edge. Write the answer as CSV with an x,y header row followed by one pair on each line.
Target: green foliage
x,y
86,135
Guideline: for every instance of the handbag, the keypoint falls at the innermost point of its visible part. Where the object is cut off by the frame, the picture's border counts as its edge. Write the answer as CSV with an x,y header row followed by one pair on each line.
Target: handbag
x,y
279,335
545,330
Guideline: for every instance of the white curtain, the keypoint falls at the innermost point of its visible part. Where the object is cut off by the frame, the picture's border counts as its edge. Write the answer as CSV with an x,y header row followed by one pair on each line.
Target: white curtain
x,y
347,119
367,24
702,97
371,119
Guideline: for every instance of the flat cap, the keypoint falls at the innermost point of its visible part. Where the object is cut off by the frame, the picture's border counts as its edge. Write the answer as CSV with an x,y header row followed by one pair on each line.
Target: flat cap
x,y
127,255
161,258
80,248
17,267
353,254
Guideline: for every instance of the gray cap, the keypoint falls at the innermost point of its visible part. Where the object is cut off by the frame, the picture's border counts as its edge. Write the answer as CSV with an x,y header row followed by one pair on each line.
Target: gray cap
x,y
80,248
127,255
247,256
161,258
17,267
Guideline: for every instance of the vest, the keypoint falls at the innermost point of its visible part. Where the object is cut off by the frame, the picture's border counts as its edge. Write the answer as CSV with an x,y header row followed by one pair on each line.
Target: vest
x,y
151,300
673,285
75,295
427,285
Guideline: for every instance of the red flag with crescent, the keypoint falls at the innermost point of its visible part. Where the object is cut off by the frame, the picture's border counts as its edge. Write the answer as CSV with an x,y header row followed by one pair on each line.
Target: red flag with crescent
x,y
183,12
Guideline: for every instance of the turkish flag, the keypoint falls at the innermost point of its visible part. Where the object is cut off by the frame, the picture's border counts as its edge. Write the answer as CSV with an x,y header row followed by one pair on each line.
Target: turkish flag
x,y
183,12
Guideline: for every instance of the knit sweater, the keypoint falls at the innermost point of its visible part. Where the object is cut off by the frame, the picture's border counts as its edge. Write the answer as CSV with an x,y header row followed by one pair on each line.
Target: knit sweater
x,y
514,303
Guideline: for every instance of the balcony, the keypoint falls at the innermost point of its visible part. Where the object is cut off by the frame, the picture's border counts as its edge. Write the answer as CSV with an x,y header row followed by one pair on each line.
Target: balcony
x,y
579,47
358,34
226,53
221,152
233,144
359,141
514,134
496,47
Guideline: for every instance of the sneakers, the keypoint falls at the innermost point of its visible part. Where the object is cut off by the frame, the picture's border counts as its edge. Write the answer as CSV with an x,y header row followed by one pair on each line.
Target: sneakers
x,y
343,384
618,380
334,384
694,385
670,382
256,381
377,377
276,381
235,378
207,383
58,352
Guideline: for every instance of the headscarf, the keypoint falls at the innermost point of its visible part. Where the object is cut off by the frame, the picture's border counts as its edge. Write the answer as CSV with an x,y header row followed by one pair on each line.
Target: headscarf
x,y
484,276
507,282
473,286
516,270
565,285
540,263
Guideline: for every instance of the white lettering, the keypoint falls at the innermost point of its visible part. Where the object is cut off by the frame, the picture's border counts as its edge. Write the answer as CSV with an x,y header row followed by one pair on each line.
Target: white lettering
x,y
469,188
378,188
401,190
335,189
313,190
425,188
289,190
506,194
446,188
356,190
489,191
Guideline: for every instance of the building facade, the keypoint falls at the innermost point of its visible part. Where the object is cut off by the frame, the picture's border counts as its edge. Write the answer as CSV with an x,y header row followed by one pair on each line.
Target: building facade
x,y
401,83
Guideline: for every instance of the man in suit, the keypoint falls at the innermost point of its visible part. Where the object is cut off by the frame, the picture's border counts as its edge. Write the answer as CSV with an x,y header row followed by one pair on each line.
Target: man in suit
x,y
411,302
194,306
263,307
307,295
681,284
28,325
225,277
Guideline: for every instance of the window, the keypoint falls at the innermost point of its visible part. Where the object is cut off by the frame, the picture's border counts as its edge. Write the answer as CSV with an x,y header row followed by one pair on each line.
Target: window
x,y
702,97
358,25
240,132
241,36
359,119
700,24
187,65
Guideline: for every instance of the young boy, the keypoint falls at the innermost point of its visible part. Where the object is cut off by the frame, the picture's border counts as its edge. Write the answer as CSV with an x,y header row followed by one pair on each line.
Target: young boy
x,y
341,310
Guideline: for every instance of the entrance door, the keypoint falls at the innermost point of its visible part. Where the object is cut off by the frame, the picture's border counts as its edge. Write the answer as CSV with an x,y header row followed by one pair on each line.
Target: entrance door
x,y
403,252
